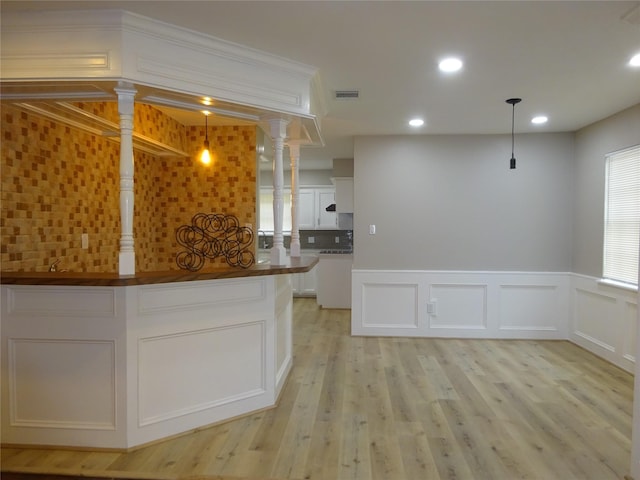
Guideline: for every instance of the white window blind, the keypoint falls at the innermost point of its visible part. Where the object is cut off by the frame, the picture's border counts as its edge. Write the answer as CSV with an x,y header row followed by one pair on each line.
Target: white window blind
x,y
622,216
266,210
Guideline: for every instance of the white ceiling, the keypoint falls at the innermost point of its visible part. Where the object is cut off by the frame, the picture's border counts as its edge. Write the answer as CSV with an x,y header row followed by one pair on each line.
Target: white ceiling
x,y
567,60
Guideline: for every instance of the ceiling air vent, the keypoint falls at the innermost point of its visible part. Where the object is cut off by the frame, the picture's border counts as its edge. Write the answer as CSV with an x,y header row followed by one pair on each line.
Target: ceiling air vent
x,y
347,94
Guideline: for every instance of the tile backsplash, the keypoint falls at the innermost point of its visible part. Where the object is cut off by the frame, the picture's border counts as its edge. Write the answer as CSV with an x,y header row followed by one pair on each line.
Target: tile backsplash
x,y
317,239
59,182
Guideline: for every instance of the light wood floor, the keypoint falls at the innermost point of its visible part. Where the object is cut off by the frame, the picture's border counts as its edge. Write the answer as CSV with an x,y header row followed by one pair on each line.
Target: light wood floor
x,y
397,408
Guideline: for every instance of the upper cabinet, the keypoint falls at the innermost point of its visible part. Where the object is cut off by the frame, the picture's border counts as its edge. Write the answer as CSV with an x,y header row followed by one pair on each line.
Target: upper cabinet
x,y
308,211
344,194
326,220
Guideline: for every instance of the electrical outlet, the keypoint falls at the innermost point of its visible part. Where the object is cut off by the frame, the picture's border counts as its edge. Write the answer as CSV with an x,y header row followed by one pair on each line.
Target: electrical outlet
x,y
432,307
84,239
312,240
337,239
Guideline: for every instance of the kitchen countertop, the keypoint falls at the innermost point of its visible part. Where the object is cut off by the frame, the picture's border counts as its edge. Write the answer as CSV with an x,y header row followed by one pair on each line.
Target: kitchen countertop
x,y
294,265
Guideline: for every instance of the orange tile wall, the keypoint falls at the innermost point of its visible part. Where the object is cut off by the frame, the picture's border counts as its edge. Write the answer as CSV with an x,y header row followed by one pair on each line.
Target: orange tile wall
x,y
59,182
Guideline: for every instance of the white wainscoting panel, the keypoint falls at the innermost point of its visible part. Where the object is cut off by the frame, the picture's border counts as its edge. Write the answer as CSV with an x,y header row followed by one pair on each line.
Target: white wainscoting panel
x,y
458,306
62,383
604,320
61,301
197,295
194,371
151,361
631,328
529,307
594,318
388,306
283,330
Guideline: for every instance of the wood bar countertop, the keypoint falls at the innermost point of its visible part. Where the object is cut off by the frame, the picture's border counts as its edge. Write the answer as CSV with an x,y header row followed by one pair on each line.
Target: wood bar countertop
x,y
294,265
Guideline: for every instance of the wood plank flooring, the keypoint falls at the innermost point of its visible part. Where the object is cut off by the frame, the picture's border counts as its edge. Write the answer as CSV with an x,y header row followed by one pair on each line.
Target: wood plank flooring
x,y
359,408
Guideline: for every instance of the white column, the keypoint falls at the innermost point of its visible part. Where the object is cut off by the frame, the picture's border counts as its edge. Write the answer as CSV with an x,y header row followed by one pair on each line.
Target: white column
x,y
127,256
294,154
278,132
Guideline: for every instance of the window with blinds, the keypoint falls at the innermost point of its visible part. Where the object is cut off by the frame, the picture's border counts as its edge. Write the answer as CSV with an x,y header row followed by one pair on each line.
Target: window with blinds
x,y
622,216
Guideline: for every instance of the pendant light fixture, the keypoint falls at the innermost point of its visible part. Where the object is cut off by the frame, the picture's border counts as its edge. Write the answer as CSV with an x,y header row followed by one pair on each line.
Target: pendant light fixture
x,y
512,102
205,154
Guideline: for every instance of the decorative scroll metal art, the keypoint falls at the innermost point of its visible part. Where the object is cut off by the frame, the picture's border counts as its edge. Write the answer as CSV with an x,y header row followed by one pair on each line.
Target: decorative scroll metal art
x,y
211,236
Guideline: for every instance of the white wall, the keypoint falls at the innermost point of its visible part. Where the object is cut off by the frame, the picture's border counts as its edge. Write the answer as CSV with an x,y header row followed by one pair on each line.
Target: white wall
x,y
452,203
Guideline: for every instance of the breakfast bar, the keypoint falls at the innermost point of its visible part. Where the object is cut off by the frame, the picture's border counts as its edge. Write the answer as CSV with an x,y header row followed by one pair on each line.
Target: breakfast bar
x,y
118,361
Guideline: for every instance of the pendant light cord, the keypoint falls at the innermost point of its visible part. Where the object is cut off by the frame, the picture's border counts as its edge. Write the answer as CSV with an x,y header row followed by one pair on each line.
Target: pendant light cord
x,y
513,118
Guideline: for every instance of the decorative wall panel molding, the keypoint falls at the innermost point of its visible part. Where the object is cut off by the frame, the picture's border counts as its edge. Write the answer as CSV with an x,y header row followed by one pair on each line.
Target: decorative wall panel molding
x,y
203,378
61,301
631,327
206,77
529,307
57,62
95,382
593,318
283,330
604,320
390,306
62,384
199,295
459,306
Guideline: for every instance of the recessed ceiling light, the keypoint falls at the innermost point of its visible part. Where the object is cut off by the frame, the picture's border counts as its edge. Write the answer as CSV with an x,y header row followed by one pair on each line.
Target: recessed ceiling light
x,y
450,64
539,119
416,122
635,60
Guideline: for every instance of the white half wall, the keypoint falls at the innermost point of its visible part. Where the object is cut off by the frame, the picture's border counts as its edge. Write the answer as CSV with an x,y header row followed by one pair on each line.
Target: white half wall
x,y
508,305
63,382
117,367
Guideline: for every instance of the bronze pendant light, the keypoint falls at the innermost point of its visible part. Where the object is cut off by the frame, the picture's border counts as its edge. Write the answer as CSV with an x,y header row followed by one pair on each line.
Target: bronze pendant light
x,y
512,102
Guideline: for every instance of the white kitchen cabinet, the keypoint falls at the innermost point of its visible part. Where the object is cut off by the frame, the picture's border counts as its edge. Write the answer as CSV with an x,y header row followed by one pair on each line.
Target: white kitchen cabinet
x,y
326,220
304,284
344,194
307,209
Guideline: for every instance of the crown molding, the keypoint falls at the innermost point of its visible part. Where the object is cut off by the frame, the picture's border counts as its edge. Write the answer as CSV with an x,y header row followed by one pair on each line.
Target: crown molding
x,y
106,46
